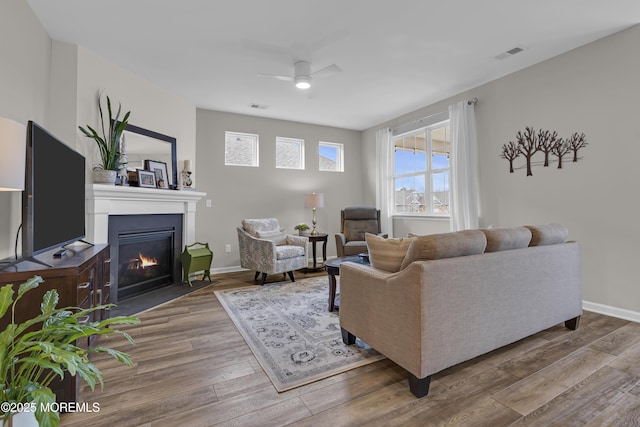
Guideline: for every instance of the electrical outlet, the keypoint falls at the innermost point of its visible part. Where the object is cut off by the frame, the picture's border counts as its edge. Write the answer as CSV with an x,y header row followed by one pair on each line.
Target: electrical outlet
x,y
227,248
208,202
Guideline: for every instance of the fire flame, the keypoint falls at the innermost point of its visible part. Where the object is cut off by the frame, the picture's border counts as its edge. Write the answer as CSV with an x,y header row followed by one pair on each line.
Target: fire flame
x,y
146,261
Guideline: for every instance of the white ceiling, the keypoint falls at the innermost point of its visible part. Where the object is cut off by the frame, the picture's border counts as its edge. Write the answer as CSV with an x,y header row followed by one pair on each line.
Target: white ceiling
x,y
396,55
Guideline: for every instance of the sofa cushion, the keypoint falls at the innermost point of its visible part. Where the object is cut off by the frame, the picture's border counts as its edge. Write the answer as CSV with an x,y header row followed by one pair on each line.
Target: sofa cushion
x,y
279,237
288,251
506,238
548,234
387,254
445,245
252,226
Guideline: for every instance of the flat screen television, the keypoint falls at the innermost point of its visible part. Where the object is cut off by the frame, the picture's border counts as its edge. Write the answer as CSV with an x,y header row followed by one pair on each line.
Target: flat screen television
x,y
53,201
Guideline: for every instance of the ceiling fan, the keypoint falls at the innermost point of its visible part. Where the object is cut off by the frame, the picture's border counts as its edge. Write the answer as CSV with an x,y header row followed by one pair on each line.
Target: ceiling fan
x,y
302,74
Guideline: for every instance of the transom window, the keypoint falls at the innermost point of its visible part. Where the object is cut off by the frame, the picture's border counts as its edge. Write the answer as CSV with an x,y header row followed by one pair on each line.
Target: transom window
x,y
331,156
289,153
421,170
240,149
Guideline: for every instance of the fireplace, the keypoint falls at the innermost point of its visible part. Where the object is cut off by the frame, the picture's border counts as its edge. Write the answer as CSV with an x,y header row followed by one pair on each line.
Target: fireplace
x,y
145,253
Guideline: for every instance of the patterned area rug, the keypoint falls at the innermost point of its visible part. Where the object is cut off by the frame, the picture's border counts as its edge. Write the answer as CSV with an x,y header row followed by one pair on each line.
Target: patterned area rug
x,y
291,333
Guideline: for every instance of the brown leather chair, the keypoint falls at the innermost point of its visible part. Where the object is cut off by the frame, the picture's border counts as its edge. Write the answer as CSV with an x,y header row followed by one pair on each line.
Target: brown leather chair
x,y
354,223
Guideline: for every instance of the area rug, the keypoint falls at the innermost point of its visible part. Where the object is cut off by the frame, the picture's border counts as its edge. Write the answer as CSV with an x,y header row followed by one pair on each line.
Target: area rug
x,y
291,333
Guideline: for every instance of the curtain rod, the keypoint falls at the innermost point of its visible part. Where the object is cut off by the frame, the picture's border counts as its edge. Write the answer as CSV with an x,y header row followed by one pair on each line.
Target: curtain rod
x,y
433,118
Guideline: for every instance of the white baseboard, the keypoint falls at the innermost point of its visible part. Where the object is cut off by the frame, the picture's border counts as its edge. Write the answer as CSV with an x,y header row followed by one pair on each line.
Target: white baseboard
x,y
608,310
236,268
232,269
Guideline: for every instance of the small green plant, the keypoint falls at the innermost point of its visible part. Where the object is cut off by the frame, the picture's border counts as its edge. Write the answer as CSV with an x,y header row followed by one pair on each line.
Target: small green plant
x,y
301,227
33,353
108,144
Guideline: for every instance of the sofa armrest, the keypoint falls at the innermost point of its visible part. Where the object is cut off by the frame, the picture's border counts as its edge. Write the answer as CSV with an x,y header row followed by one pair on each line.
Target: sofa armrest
x,y
384,310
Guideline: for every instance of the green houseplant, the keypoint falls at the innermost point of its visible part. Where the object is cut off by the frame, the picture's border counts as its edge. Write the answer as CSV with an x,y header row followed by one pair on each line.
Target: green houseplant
x,y
33,353
108,142
302,228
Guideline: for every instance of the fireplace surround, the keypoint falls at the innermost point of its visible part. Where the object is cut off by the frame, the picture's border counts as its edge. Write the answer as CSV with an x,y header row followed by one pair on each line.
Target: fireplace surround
x,y
104,201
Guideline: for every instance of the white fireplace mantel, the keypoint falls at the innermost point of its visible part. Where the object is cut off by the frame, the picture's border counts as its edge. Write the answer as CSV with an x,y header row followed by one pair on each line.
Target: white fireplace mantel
x,y
104,200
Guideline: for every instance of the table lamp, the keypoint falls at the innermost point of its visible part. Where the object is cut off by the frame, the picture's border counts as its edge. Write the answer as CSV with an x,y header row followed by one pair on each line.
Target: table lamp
x,y
13,142
314,200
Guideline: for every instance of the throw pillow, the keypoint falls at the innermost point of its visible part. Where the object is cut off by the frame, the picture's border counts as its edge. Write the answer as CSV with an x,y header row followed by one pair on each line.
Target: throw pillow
x,y
386,254
548,234
506,238
445,245
279,237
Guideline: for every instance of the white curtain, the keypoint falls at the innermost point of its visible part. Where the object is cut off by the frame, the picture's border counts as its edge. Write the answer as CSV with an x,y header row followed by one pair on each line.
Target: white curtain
x,y
464,203
384,200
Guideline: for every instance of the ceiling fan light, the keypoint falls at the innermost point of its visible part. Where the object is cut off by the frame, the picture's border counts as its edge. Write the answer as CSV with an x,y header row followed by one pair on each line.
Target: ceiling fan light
x,y
303,82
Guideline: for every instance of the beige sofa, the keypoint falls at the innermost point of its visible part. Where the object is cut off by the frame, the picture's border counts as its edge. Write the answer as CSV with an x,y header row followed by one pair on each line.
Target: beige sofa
x,y
459,295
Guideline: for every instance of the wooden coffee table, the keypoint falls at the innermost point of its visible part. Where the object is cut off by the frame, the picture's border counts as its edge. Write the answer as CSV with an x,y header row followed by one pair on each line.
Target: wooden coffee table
x,y
333,269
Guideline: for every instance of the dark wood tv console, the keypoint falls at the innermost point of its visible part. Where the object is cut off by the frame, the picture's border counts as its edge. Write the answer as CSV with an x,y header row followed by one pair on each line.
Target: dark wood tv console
x,y
81,278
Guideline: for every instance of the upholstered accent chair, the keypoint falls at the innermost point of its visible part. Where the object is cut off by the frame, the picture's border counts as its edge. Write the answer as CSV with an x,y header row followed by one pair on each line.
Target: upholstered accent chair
x,y
266,248
354,223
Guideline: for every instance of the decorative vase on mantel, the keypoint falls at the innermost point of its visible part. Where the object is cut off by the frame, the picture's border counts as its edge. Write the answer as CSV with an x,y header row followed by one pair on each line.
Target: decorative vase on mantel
x,y
102,176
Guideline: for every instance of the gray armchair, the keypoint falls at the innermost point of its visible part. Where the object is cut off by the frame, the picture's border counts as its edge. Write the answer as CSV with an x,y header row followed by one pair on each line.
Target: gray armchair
x,y
354,223
267,249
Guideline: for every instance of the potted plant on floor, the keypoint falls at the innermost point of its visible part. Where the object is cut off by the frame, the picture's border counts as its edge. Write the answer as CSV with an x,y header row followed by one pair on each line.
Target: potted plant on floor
x,y
108,143
302,229
33,353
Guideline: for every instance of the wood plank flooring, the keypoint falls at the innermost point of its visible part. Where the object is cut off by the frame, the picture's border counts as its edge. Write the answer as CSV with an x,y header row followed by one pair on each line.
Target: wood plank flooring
x,y
192,368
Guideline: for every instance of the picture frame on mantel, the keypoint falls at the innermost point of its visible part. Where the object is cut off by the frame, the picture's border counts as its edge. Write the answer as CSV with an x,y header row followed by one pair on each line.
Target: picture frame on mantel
x,y
146,178
160,170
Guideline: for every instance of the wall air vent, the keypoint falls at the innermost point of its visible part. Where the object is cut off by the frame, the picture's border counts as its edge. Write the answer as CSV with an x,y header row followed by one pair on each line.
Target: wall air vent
x,y
259,106
510,53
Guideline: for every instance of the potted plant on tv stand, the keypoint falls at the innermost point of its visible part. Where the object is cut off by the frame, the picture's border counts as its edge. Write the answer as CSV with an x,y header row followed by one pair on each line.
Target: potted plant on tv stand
x,y
33,353
108,143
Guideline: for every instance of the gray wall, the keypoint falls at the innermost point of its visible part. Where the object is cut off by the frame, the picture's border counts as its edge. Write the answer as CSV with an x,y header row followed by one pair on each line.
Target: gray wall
x,y
593,89
247,192
25,49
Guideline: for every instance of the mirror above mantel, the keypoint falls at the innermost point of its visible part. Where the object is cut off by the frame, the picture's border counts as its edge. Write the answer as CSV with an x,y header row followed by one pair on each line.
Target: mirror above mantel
x,y
144,144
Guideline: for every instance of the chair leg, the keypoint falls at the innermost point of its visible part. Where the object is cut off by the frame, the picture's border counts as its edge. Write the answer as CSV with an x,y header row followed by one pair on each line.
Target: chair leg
x,y
256,276
290,273
347,337
264,279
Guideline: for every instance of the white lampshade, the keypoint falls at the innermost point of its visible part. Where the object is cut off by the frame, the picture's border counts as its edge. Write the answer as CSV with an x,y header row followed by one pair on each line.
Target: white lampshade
x,y
314,200
13,150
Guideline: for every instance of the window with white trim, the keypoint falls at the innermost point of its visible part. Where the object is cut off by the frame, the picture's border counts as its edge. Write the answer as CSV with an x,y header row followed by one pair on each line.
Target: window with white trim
x,y
331,156
421,170
240,149
289,153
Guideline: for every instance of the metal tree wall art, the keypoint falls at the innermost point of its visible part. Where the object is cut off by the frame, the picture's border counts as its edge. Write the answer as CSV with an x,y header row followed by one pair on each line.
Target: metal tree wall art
x,y
528,143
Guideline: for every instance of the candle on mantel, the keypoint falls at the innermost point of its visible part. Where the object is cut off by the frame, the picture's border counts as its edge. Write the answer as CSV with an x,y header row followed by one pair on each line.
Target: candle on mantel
x,y
187,165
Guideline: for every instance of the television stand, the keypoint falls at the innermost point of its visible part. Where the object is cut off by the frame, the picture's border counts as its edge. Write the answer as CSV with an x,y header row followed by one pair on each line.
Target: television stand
x,y
20,260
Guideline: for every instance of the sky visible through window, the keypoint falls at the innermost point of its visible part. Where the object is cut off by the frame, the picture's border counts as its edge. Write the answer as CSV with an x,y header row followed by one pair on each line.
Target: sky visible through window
x,y
408,162
329,152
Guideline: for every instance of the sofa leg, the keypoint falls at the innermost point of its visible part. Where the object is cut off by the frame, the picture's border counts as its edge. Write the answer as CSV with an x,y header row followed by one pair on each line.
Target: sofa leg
x,y
290,273
572,323
347,337
256,276
264,279
419,386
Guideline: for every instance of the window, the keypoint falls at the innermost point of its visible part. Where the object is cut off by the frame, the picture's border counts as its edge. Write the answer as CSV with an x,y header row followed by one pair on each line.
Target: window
x,y
240,149
421,170
289,153
331,156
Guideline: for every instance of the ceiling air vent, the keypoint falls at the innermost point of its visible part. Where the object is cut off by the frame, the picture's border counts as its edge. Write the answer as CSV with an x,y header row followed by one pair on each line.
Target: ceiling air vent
x,y
509,53
258,106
